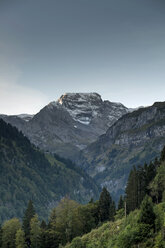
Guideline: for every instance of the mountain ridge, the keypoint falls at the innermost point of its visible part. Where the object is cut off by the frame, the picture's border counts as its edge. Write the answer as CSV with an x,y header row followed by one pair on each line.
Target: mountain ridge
x,y
27,173
69,124
134,139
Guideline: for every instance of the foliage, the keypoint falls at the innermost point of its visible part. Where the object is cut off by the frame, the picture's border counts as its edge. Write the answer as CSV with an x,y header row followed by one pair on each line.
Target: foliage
x,y
106,206
29,214
147,215
157,186
83,225
9,230
121,203
67,223
143,227
35,232
20,239
138,184
27,173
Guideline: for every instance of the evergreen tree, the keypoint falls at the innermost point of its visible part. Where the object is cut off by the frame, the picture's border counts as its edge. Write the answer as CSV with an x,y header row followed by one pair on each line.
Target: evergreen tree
x,y
20,239
150,174
147,215
35,232
52,220
86,215
132,191
105,202
141,183
43,227
29,214
112,211
121,203
138,185
51,235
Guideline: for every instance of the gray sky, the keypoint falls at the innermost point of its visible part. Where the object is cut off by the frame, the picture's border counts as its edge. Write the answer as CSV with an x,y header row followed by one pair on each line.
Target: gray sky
x,y
49,47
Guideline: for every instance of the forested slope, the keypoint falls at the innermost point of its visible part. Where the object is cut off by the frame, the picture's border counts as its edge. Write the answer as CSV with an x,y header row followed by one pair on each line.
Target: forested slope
x,y
26,173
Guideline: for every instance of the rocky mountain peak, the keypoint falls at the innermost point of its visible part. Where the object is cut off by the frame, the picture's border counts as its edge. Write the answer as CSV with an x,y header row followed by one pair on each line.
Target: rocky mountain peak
x,y
77,119
81,106
79,97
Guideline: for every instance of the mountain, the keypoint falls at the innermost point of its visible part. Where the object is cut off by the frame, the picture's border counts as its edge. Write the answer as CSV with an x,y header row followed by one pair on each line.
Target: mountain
x,y
27,173
25,117
69,124
134,139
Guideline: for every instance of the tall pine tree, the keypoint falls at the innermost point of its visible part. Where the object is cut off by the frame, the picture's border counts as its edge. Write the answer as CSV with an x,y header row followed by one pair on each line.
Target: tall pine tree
x,y
132,191
147,215
121,203
105,202
29,214
35,232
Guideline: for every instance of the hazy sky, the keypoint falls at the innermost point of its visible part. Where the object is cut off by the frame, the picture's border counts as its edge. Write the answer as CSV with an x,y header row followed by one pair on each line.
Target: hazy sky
x,y
49,47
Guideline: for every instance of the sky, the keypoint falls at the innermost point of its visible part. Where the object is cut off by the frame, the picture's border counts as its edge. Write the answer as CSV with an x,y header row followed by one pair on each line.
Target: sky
x,y
49,47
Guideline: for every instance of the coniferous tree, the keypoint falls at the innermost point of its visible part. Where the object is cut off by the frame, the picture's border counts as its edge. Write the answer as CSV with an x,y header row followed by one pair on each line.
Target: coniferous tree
x,y
51,235
150,174
29,214
147,215
35,232
52,220
105,202
141,183
112,211
132,191
43,236
121,203
138,185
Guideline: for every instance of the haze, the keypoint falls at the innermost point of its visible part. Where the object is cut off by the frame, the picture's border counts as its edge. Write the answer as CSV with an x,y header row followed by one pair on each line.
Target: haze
x,y
112,47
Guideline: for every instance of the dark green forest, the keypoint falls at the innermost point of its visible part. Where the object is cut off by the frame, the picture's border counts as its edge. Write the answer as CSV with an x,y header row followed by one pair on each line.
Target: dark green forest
x,y
42,203
28,174
137,221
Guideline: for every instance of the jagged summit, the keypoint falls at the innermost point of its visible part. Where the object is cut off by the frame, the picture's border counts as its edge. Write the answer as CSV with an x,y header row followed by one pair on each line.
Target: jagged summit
x,y
87,107
79,97
70,123
81,106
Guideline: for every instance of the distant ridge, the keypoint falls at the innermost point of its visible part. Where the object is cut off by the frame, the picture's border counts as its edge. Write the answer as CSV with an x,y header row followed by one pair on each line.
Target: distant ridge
x,y
27,173
69,124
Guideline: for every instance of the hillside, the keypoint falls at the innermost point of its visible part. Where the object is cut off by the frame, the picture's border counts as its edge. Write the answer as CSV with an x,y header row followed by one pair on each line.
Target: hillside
x,y
26,173
124,233
138,221
134,139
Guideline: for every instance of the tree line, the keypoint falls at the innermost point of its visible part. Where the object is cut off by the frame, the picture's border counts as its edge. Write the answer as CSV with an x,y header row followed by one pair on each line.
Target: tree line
x,y
68,220
146,185
146,180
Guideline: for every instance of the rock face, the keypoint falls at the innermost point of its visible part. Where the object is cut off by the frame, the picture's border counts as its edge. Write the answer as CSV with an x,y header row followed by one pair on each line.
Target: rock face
x,y
69,124
90,109
135,138
104,138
